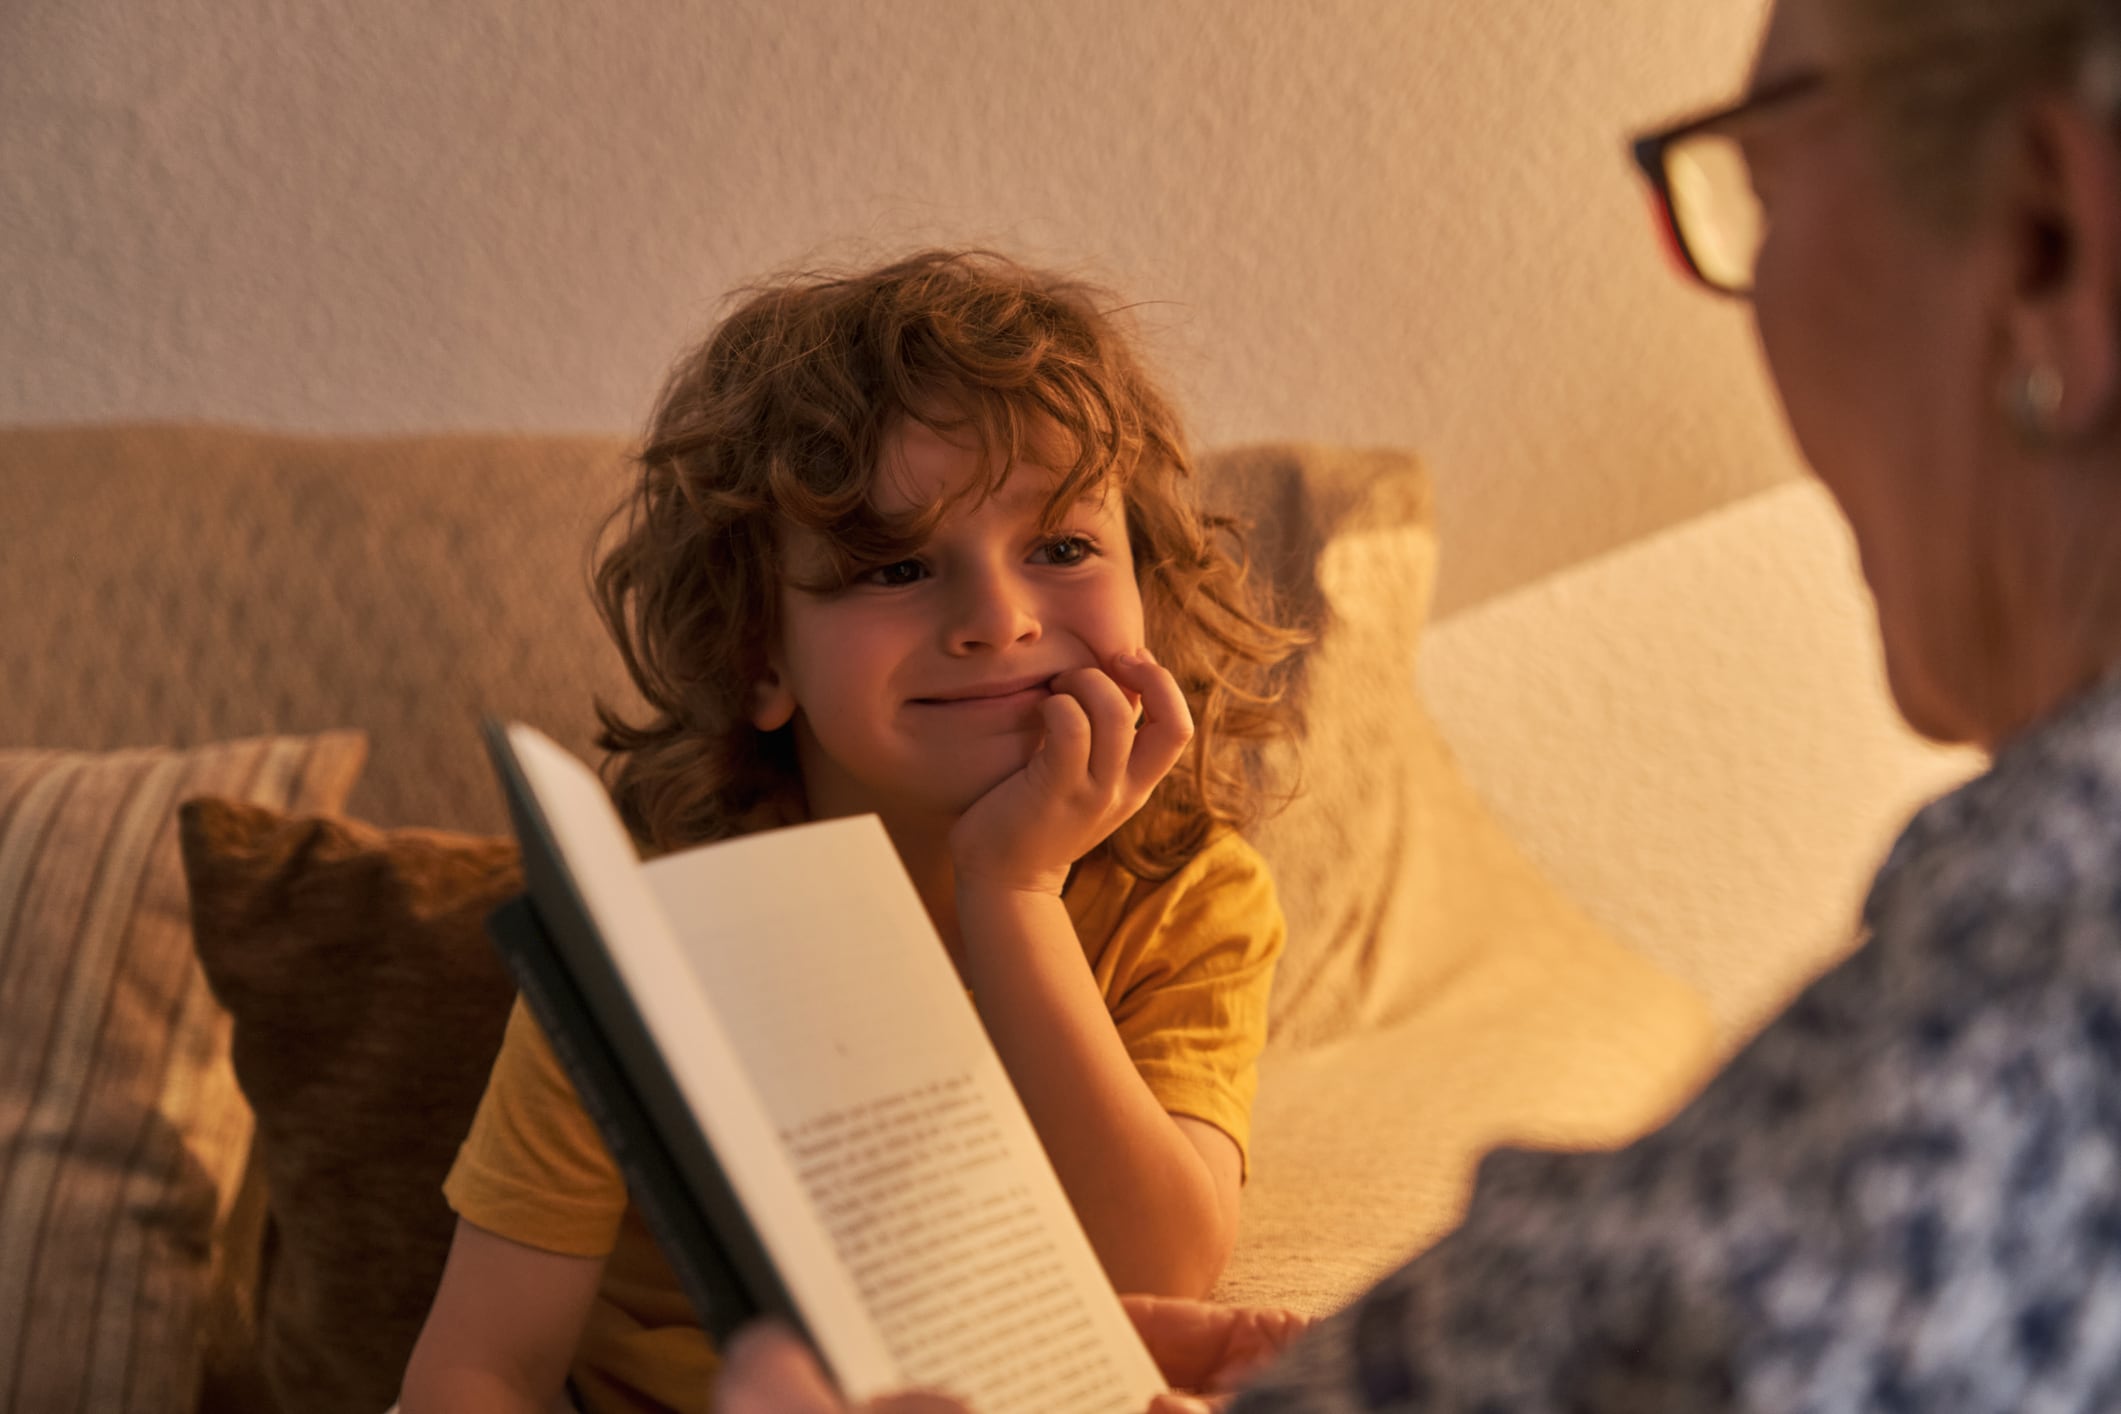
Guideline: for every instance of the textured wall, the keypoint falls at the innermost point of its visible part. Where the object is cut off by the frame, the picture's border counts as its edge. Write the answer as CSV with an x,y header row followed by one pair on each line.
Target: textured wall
x,y
1693,737
1405,222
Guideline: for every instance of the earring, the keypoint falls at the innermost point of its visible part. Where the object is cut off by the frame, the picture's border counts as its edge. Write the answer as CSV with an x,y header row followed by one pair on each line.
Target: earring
x,y
2035,402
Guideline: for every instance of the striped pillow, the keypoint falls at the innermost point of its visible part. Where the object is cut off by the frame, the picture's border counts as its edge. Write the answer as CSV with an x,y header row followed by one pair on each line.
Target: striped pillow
x,y
122,1134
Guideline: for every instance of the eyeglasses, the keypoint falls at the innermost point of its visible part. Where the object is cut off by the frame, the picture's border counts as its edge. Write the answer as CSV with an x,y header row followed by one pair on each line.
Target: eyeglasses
x,y
1698,171
1706,204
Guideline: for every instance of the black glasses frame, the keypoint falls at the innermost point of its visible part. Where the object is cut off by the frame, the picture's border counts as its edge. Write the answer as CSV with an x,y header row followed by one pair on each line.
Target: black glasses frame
x,y
1650,151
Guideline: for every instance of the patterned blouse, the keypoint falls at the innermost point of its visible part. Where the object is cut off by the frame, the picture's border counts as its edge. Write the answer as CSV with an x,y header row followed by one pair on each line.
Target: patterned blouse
x,y
1905,1194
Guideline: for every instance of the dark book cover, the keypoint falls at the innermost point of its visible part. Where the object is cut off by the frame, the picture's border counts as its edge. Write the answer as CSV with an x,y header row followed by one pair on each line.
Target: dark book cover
x,y
568,981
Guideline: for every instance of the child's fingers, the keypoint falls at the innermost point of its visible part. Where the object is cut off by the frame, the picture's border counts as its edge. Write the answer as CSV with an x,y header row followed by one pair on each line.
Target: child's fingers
x,y
1205,1346
1166,725
1136,673
1065,753
1111,717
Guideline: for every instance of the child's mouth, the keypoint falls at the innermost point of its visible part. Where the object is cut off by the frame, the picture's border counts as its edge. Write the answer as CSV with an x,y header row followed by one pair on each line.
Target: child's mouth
x,y
1011,694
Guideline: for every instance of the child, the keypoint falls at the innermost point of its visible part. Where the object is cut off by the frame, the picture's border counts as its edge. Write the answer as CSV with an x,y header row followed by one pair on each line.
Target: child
x,y
918,542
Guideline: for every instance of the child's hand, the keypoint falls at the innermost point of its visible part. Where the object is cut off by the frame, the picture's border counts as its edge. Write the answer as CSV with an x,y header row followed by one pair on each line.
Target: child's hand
x,y
1092,771
1205,1349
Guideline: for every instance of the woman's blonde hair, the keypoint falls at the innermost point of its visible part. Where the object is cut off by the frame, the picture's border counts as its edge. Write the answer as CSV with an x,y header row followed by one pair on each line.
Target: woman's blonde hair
x,y
778,419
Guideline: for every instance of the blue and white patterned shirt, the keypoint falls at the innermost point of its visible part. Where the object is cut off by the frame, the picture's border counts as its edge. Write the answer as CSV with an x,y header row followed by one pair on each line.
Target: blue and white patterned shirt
x,y
1904,1195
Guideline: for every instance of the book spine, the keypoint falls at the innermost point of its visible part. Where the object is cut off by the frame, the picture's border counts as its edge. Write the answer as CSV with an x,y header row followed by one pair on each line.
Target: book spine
x,y
685,1238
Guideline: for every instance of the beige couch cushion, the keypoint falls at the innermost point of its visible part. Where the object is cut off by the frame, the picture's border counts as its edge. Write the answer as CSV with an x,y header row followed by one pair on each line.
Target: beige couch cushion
x,y
1439,996
1364,1151
121,1134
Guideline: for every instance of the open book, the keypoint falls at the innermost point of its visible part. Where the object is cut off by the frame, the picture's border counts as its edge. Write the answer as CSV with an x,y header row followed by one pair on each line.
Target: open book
x,y
808,1112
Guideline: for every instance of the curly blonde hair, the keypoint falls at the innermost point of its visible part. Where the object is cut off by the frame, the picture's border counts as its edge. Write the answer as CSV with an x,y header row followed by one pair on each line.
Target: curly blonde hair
x,y
778,419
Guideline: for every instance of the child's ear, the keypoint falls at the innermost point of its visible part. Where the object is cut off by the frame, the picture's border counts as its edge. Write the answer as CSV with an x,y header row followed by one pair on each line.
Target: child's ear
x,y
772,704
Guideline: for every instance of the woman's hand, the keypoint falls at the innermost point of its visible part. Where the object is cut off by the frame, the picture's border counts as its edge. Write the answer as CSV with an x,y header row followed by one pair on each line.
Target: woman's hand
x,y
1092,771
1204,1351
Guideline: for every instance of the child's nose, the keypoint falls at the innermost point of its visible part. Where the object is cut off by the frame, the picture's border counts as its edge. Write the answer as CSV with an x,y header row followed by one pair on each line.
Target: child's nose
x,y
993,611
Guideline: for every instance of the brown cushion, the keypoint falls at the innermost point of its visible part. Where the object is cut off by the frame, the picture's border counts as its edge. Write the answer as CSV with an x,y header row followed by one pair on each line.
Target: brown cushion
x,y
121,1134
368,1007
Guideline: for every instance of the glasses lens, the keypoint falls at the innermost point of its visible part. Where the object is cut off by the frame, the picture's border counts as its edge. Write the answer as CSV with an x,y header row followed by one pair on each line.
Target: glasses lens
x,y
1713,205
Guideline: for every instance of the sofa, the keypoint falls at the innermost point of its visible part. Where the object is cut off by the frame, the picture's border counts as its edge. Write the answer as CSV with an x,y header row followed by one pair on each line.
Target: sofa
x,y
248,835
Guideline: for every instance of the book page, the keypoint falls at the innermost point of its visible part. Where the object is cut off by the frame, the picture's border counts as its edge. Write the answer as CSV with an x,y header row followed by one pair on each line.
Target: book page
x,y
691,1034
900,1122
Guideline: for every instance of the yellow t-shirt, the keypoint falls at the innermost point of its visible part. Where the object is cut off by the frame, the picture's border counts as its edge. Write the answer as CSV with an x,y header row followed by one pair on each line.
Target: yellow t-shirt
x,y
1184,966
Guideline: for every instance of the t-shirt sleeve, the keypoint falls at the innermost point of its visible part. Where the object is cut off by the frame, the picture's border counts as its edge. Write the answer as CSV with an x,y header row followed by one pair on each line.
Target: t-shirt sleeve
x,y
533,1168
1186,977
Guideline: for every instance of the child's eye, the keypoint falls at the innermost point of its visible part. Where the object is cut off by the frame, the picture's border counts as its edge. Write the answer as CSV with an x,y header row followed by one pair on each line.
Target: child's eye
x,y
898,572
1067,550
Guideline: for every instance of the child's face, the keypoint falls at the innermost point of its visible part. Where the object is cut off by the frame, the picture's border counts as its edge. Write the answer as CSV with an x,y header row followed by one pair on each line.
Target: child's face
x,y
917,688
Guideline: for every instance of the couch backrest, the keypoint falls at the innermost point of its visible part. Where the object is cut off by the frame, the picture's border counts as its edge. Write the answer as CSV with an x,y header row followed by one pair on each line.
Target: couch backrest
x,y
188,584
